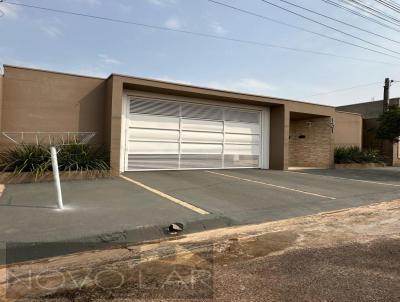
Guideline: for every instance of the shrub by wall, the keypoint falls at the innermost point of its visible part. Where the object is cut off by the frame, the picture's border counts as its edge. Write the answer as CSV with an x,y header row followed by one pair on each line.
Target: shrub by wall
x,y
36,159
350,155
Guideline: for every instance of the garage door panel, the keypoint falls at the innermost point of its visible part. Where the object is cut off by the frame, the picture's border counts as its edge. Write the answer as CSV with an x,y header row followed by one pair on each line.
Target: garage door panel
x,y
242,128
241,149
153,161
242,138
202,112
155,107
153,134
241,161
153,121
242,116
201,125
201,161
137,147
189,148
190,136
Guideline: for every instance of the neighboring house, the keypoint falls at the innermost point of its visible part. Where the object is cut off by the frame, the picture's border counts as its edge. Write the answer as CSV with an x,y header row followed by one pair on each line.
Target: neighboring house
x,y
155,125
348,129
370,112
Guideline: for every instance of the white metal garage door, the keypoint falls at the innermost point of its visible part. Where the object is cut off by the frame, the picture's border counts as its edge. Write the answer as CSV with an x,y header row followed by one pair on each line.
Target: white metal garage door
x,y
166,135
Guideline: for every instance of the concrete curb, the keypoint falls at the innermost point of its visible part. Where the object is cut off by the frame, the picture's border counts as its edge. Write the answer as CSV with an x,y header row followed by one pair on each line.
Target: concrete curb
x,y
27,177
13,252
359,166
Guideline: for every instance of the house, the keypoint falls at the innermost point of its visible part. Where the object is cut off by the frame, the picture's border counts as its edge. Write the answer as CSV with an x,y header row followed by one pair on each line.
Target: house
x,y
370,112
155,125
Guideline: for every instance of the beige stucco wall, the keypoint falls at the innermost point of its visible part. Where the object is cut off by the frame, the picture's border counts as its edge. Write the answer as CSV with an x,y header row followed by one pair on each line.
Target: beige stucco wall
x,y
114,121
310,143
348,129
36,100
53,102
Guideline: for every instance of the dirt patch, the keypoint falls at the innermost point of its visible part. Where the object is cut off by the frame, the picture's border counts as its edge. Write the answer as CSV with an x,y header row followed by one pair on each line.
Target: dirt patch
x,y
352,272
236,250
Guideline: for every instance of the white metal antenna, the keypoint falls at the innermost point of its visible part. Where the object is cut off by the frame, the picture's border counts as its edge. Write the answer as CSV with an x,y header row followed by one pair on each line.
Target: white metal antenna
x,y
53,139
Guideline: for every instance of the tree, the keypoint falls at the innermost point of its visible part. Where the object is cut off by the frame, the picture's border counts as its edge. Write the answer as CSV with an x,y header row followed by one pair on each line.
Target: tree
x,y
389,127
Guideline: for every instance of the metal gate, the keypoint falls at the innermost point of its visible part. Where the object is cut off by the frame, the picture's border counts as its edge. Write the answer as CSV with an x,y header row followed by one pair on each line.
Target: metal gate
x,y
169,135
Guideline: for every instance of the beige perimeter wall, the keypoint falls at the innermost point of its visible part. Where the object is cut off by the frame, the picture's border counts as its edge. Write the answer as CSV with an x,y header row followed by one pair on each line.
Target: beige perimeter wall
x,y
348,129
52,102
36,100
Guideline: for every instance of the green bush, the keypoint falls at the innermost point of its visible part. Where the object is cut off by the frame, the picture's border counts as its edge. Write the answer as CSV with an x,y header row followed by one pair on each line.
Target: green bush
x,y
76,157
26,158
350,155
37,158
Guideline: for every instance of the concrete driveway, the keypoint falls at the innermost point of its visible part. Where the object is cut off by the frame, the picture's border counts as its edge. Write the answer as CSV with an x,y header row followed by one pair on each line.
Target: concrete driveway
x,y
389,175
252,196
140,207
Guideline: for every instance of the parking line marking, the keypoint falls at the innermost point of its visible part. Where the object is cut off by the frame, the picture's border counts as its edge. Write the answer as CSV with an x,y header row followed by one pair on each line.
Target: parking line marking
x,y
166,196
271,185
353,179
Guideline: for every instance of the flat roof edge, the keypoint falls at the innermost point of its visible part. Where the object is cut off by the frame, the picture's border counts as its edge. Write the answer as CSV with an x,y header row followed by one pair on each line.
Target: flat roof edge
x,y
53,71
205,89
354,113
243,94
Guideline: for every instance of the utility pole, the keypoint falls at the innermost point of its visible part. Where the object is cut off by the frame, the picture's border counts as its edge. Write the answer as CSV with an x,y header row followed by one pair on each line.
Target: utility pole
x,y
386,94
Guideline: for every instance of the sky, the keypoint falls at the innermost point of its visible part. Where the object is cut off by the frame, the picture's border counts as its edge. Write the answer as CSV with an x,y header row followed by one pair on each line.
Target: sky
x,y
73,44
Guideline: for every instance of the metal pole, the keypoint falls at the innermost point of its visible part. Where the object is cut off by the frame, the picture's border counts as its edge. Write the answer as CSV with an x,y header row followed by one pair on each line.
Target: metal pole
x,y
56,176
386,95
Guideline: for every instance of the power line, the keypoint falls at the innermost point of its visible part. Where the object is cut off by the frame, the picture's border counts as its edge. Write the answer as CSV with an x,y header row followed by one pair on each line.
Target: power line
x,y
300,28
342,89
204,35
372,9
364,16
382,12
367,9
339,21
328,26
390,4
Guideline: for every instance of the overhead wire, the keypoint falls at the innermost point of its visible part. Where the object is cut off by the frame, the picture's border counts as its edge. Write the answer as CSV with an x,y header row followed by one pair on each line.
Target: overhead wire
x,y
371,8
329,27
300,28
390,4
364,9
361,15
204,35
341,90
339,21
